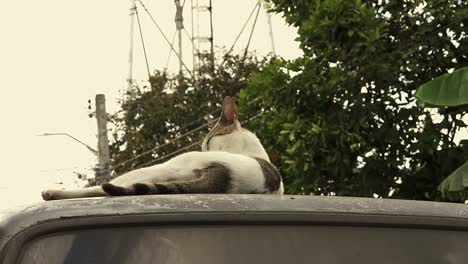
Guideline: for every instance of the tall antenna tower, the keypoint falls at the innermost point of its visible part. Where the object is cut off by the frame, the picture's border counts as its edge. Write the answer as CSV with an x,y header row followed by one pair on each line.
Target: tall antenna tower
x,y
201,36
130,53
202,12
179,21
270,32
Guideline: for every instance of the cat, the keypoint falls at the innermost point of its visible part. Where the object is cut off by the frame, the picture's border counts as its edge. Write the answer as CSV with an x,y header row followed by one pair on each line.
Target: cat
x,y
232,160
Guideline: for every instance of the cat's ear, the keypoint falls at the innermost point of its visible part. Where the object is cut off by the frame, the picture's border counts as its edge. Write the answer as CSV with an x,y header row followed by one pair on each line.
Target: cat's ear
x,y
229,114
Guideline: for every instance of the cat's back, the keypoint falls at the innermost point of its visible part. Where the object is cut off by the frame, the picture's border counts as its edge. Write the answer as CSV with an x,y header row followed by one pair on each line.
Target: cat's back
x,y
248,174
234,161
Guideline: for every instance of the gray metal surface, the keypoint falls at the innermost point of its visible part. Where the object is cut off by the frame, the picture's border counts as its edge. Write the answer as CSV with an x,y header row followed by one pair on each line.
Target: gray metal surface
x,y
328,210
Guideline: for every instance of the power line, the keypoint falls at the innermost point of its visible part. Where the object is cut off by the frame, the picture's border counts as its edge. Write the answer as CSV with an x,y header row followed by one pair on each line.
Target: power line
x,y
169,155
143,43
181,136
152,162
253,28
164,36
164,144
170,51
209,114
240,33
196,121
188,35
172,42
254,117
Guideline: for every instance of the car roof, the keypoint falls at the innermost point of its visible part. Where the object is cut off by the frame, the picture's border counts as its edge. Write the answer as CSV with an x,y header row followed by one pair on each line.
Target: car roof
x,y
297,208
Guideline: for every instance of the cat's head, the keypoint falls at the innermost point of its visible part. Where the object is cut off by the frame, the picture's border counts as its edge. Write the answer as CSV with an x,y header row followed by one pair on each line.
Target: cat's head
x,y
228,135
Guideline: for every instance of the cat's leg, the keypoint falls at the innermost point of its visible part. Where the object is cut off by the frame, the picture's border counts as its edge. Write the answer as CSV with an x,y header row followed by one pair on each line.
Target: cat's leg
x,y
215,178
95,191
156,173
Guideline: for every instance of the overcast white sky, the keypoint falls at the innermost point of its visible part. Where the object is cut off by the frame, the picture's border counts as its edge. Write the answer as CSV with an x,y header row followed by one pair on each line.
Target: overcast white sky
x,y
55,55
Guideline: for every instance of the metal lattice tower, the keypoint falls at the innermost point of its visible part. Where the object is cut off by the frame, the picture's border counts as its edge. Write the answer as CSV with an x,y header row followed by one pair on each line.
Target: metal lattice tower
x,y
179,21
201,37
201,41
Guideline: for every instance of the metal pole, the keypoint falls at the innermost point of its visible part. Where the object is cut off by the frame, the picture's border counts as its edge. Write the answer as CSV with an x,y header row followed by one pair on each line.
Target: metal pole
x,y
103,174
130,53
211,34
194,66
95,152
270,29
179,20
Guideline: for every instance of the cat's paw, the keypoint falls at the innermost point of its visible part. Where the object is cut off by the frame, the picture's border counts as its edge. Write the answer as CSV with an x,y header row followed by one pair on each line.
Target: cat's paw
x,y
48,195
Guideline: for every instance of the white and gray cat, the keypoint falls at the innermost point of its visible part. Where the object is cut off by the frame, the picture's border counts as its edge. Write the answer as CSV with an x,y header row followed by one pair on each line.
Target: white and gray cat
x,y
232,160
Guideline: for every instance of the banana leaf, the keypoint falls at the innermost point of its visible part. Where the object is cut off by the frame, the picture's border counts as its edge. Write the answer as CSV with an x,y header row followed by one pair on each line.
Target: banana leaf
x,y
450,89
456,183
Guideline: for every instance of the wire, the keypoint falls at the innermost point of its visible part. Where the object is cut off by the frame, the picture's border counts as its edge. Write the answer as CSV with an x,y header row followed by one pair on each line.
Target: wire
x,y
251,118
164,144
240,33
165,37
253,28
209,114
188,146
195,121
143,43
181,136
188,35
170,51
168,155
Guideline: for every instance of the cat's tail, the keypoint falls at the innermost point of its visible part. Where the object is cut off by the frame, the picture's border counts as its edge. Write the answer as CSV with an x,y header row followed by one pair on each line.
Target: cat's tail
x,y
95,191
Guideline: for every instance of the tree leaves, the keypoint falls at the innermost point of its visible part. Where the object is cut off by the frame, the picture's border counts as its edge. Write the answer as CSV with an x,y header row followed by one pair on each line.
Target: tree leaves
x,y
343,120
450,89
174,106
455,185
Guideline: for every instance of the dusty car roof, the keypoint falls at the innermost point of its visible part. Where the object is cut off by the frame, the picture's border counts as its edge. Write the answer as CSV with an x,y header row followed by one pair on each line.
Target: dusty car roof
x,y
260,207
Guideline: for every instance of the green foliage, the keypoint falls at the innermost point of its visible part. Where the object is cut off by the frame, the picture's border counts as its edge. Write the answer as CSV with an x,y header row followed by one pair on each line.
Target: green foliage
x,y
343,119
171,107
455,185
450,89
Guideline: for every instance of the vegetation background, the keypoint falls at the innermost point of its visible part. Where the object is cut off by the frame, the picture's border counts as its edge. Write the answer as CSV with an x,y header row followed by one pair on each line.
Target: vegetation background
x,y
342,119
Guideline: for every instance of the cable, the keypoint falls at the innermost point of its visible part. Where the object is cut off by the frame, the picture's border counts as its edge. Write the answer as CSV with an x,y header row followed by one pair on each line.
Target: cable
x,y
188,35
252,31
143,43
198,128
195,121
188,146
164,144
170,51
181,136
209,114
168,155
240,33
185,148
164,36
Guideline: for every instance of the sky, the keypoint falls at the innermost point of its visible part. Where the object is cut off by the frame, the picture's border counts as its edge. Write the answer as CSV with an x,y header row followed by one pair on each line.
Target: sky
x,y
56,55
